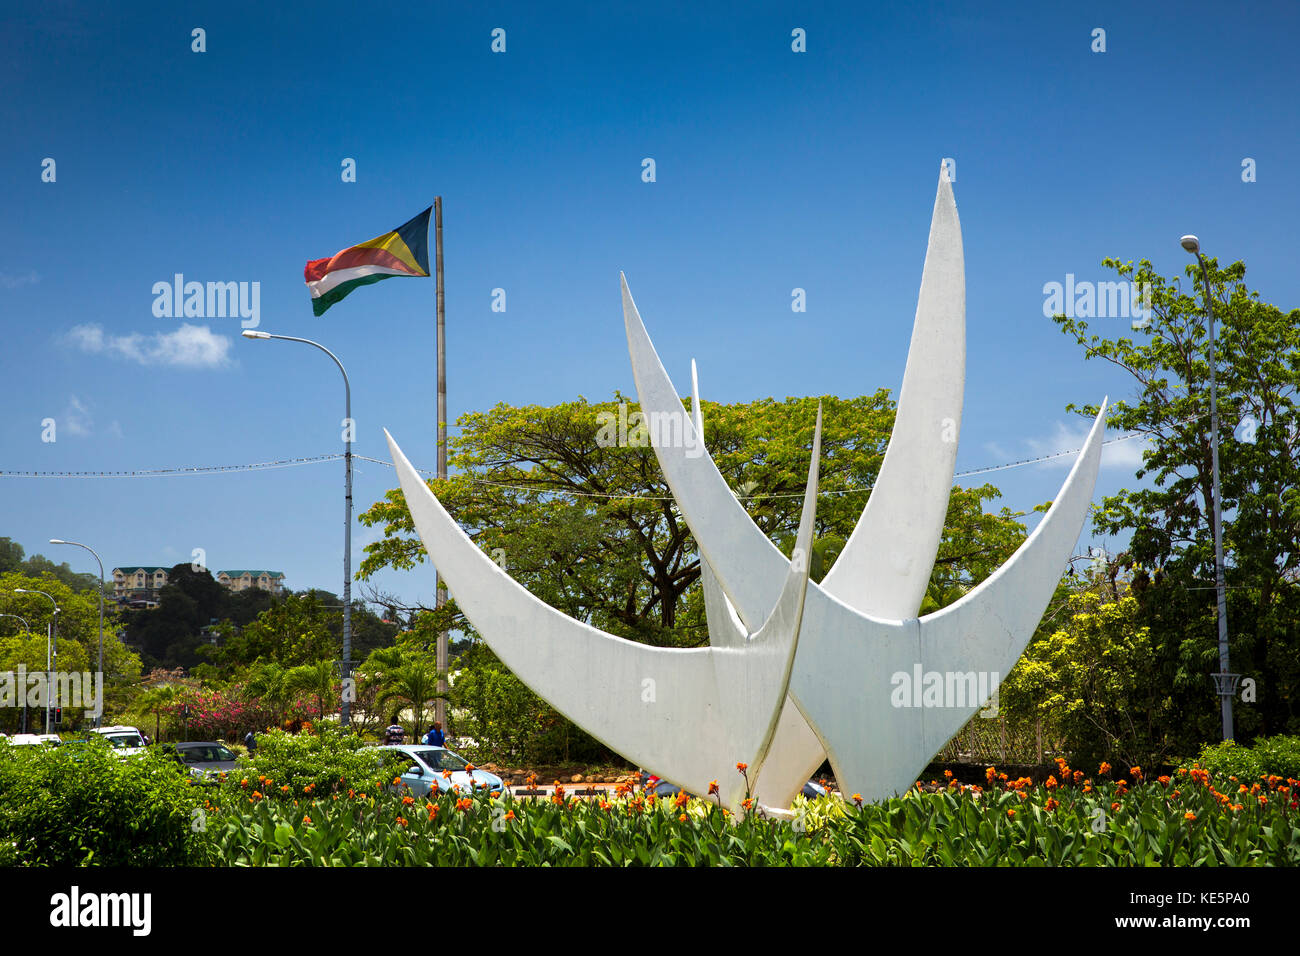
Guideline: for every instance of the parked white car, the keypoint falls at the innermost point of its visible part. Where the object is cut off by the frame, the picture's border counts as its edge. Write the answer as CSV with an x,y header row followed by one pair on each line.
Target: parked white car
x,y
126,741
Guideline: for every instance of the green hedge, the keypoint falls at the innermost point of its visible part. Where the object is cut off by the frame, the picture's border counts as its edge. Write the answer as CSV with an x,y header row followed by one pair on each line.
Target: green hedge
x,y
83,804
1278,756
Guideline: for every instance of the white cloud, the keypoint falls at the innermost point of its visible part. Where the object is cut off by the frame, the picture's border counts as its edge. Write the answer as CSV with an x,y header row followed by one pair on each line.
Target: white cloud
x,y
77,419
190,346
1126,455
16,280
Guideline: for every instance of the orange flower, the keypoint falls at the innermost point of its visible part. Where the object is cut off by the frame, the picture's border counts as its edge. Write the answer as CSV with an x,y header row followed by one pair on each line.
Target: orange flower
x,y
469,768
1175,794
857,798
1011,813
713,788
256,795
433,810
1103,769
1051,782
307,820
244,782
285,788
742,767
1114,807
1189,815
464,803
680,800
990,774
682,818
604,804
948,774
401,821
408,800
446,774
1163,780
1136,772
510,815
1051,804
1078,775
747,803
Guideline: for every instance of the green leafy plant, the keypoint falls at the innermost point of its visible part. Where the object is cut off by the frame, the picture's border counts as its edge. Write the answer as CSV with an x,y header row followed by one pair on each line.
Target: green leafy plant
x,y
82,804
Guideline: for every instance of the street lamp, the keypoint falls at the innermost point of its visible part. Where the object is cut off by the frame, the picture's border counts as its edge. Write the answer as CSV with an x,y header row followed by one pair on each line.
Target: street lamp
x,y
345,709
51,650
1225,682
99,717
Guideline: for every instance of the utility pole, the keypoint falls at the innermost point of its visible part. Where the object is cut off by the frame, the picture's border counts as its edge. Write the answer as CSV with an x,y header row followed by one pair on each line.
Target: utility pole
x,y
440,703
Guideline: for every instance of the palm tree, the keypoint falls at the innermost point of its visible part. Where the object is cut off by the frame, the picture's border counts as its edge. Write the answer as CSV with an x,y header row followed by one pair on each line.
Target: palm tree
x,y
154,701
267,682
315,679
413,683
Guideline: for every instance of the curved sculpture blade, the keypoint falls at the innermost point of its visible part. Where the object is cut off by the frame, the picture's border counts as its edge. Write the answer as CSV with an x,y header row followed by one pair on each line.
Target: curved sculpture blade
x,y
795,752
885,565
687,714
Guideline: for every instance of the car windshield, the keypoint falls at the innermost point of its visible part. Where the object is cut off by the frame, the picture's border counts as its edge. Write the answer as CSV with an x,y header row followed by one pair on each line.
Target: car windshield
x,y
123,741
208,753
440,759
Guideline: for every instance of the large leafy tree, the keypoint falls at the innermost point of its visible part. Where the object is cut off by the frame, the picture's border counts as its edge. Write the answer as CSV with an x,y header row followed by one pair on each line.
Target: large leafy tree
x,y
1171,552
593,530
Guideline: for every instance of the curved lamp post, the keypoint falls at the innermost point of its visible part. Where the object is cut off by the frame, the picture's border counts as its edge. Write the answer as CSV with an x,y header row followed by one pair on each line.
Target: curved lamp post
x,y
345,709
1225,682
100,718
51,650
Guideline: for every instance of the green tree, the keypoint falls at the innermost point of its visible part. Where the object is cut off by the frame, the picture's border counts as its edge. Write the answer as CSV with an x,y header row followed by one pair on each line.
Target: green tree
x,y
413,684
1171,552
594,532
317,679
155,702
268,682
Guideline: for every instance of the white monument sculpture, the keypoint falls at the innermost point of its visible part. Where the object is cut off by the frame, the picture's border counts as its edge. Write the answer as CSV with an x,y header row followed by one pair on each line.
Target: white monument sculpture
x,y
797,671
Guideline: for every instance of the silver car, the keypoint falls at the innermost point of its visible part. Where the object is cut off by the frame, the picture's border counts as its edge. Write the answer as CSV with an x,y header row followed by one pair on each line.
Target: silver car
x,y
438,765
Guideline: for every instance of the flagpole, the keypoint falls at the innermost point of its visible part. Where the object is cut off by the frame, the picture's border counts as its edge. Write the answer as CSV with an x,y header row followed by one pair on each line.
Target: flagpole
x,y
440,704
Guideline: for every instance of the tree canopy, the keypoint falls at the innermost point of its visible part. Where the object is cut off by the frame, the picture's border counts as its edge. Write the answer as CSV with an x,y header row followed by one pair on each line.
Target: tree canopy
x,y
1170,555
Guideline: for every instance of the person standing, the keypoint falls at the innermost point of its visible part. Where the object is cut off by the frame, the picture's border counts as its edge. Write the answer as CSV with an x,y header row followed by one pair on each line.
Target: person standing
x,y
435,737
394,733
250,741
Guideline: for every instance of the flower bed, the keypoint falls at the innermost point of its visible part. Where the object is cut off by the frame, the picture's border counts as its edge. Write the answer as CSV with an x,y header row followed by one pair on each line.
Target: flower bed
x,y
1071,820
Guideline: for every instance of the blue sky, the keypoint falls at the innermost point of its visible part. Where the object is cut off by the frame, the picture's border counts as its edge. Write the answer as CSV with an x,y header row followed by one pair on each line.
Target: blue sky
x,y
774,170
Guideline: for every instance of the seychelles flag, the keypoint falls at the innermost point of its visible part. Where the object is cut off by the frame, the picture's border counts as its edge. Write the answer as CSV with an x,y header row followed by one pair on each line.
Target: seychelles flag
x,y
402,252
